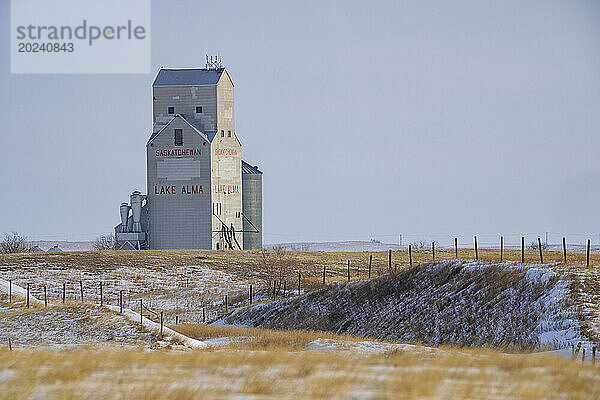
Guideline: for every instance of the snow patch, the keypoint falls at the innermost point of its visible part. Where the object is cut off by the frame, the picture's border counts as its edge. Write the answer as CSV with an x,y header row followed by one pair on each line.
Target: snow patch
x,y
153,326
536,275
18,291
365,346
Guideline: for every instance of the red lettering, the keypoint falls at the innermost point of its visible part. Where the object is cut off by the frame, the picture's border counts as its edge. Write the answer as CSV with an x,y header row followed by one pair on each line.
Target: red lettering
x,y
192,189
178,152
225,152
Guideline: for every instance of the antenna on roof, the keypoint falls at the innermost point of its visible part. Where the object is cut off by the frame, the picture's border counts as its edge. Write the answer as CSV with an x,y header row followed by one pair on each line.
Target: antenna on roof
x,y
215,62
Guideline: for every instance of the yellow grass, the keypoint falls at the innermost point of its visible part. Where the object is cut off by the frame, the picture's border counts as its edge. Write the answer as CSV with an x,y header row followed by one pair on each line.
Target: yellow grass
x,y
259,338
275,374
271,367
247,263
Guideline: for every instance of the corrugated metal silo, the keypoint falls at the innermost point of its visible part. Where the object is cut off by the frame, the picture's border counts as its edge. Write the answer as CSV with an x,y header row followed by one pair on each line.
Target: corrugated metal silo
x,y
252,205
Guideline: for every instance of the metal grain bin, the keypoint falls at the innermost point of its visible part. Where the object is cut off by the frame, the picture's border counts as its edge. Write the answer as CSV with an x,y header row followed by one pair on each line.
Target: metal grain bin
x,y
252,206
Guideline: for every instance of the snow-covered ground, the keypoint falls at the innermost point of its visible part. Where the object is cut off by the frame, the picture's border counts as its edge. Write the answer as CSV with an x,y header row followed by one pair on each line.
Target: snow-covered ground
x,y
177,291
460,303
69,326
369,347
585,288
74,324
449,302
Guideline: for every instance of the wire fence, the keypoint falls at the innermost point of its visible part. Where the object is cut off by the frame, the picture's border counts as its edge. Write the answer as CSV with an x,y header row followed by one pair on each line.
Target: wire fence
x,y
446,240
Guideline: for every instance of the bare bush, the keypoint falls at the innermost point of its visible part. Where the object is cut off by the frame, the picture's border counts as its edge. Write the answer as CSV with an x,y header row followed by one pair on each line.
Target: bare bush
x,y
418,244
105,242
14,243
534,245
276,264
422,244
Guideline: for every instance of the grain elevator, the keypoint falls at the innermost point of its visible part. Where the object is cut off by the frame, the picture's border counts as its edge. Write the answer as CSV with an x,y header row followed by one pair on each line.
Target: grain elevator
x,y
200,193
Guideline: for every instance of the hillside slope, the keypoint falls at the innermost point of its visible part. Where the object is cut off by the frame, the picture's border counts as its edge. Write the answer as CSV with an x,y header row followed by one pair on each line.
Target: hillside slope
x,y
450,302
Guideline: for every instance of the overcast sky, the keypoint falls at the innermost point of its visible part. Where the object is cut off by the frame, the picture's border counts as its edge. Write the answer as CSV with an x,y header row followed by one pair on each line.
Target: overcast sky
x,y
369,119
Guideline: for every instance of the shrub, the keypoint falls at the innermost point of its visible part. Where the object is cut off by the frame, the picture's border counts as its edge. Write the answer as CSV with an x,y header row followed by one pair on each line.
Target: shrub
x,y
14,243
535,246
105,242
423,244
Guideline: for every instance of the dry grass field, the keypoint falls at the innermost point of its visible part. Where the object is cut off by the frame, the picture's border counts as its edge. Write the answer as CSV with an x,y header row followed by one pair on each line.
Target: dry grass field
x,y
262,339
252,264
277,373
263,363
183,282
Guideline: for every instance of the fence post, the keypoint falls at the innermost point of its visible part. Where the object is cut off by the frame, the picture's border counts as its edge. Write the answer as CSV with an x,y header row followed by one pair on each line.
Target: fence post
x,y
141,313
348,270
501,248
250,294
323,275
299,277
389,260
27,294
583,356
161,324
10,290
284,286
226,304
177,320
522,249
565,249
476,250
410,254
45,298
433,251
456,247
121,300
9,345
64,294
594,355
101,299
81,287
370,262
203,315
588,253
540,247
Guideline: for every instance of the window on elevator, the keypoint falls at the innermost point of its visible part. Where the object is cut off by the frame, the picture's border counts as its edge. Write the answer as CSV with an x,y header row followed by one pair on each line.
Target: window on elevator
x,y
178,137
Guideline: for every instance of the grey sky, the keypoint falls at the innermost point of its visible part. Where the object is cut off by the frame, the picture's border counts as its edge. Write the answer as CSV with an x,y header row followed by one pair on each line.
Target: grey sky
x,y
368,118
